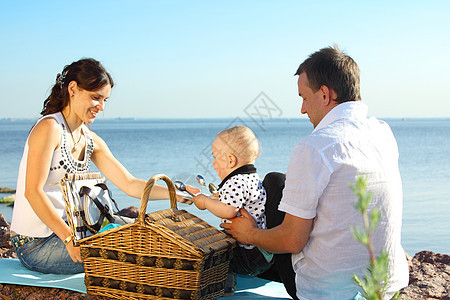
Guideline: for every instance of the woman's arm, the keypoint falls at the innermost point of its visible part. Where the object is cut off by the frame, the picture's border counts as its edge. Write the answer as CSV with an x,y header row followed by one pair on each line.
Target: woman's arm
x,y
42,142
219,209
119,175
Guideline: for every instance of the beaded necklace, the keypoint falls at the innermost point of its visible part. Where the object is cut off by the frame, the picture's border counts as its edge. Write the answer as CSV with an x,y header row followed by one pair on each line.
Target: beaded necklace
x,y
75,144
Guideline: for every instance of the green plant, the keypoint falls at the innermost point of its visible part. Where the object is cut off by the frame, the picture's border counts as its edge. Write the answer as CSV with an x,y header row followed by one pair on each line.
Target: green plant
x,y
8,199
376,277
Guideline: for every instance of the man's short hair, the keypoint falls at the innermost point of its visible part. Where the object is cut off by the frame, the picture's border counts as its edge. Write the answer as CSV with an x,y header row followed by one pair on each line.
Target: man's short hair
x,y
336,70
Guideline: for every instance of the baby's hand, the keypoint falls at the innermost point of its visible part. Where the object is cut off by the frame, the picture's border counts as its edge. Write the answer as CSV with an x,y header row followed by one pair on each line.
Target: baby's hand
x,y
215,196
200,201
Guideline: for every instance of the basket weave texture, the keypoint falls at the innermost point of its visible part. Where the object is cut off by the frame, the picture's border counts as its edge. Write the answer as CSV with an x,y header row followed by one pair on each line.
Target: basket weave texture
x,y
168,254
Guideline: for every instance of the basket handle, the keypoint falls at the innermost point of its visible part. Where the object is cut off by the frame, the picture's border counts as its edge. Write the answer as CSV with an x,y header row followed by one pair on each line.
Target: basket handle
x,y
148,187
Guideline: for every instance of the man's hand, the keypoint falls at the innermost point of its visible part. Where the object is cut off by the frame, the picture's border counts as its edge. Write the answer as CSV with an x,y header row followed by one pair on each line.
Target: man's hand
x,y
241,228
291,236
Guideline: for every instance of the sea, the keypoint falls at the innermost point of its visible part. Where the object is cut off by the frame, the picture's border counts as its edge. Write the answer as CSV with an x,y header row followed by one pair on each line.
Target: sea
x,y
181,149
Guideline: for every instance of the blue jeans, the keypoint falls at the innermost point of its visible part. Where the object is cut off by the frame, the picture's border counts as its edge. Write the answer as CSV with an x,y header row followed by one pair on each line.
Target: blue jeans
x,y
248,261
48,255
245,262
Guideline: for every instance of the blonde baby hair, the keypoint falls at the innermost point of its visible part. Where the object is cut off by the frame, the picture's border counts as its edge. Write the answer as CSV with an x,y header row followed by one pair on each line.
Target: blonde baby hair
x,y
242,142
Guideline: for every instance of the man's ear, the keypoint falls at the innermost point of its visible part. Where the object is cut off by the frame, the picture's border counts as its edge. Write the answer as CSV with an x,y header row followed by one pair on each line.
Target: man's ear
x,y
328,95
232,160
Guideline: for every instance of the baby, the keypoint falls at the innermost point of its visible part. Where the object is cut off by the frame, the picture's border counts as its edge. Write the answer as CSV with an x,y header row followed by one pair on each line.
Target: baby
x,y
235,151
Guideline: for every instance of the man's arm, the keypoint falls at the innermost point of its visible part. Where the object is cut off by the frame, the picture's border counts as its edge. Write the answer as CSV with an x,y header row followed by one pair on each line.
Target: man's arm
x,y
290,236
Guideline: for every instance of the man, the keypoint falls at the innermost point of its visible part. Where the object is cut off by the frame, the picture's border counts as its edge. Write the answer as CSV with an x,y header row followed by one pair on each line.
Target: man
x,y
317,199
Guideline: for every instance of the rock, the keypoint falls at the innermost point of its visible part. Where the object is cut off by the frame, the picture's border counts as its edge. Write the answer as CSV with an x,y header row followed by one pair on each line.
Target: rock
x,y
6,190
4,233
8,253
6,250
130,212
3,222
429,276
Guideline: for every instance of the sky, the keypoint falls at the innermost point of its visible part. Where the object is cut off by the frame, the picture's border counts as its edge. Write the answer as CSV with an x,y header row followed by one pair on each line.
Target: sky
x,y
216,58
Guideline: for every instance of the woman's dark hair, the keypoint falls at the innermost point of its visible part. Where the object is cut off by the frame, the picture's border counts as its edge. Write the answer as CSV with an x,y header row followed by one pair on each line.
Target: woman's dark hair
x,y
88,73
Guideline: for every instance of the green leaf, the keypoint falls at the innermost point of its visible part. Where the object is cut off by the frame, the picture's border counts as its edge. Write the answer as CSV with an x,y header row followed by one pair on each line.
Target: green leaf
x,y
374,218
396,296
360,235
376,276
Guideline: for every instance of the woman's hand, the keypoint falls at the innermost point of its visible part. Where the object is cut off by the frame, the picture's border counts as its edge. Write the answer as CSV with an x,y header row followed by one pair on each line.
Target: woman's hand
x,y
191,189
74,252
180,199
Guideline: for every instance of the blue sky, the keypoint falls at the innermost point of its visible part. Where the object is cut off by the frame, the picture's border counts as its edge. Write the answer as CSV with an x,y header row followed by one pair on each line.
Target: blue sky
x,y
210,59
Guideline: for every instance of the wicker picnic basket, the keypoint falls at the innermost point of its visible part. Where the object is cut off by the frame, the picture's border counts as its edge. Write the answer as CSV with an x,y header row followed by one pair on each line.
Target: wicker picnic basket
x,y
168,254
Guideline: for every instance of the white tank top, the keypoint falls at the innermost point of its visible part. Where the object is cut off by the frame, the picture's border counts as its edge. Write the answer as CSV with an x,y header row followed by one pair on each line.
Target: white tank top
x,y
24,220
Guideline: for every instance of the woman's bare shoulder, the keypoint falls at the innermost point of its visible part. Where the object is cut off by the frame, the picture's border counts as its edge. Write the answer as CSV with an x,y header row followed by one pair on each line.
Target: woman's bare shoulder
x,y
47,129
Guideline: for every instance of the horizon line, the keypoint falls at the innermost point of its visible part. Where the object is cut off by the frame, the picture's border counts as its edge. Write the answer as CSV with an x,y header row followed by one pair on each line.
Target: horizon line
x,y
109,119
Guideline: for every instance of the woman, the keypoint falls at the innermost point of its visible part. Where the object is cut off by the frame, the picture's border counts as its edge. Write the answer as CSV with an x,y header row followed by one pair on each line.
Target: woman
x,y
60,143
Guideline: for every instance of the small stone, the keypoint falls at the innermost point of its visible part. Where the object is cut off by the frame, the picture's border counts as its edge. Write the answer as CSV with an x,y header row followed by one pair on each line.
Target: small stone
x,y
6,190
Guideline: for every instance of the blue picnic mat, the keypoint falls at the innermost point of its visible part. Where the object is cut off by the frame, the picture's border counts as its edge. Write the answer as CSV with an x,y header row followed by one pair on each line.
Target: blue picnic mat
x,y
13,272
